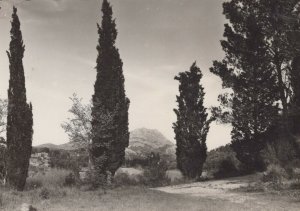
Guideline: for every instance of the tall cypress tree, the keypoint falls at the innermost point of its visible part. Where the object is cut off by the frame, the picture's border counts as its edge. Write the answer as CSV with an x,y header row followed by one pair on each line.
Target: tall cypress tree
x,y
192,125
110,104
19,116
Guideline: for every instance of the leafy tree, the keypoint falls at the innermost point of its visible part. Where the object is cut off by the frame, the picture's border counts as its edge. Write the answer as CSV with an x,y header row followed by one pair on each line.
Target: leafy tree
x,y
247,70
78,127
192,124
294,42
3,117
109,138
295,83
279,21
19,116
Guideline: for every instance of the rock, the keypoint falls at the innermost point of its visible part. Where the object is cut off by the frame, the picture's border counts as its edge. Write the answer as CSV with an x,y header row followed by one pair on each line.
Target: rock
x,y
174,175
83,174
27,207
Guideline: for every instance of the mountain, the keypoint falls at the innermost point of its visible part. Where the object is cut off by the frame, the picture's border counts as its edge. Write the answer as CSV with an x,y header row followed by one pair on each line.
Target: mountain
x,y
67,146
142,142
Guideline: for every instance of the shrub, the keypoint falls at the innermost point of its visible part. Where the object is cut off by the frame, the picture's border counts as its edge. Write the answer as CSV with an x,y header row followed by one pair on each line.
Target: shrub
x,y
227,168
155,173
222,162
1,200
33,183
295,185
123,179
274,176
70,179
44,193
254,187
51,178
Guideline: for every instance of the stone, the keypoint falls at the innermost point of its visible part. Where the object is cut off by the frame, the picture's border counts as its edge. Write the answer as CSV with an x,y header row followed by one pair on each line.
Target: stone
x,y
27,207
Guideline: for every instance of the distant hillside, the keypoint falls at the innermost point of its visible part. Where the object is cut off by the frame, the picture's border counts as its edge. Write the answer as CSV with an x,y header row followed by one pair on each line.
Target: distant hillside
x,y
66,146
144,141
141,143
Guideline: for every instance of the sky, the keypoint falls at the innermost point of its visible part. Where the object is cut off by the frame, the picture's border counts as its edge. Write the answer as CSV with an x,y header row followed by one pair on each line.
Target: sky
x,y
157,39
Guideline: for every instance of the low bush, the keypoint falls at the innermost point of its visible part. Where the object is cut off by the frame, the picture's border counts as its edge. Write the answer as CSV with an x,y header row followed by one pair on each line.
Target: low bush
x,y
33,183
274,177
44,193
51,178
254,187
70,179
222,163
227,168
1,200
123,179
274,174
155,173
295,185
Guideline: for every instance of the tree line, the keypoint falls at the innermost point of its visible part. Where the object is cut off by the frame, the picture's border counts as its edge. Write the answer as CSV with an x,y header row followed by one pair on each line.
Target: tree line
x,y
260,70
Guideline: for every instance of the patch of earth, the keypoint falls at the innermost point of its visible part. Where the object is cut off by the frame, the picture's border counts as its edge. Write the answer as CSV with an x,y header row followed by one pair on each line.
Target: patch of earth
x,y
219,189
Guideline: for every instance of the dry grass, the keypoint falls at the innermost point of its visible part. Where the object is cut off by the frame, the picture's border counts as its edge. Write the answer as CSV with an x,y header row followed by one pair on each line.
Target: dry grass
x,y
129,198
49,179
52,195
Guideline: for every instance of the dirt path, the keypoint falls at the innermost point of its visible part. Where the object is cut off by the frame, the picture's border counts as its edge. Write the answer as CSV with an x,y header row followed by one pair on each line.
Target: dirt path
x,y
226,190
220,189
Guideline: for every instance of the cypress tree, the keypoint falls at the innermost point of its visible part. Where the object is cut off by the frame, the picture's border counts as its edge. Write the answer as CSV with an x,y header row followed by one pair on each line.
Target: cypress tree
x,y
110,134
19,116
192,126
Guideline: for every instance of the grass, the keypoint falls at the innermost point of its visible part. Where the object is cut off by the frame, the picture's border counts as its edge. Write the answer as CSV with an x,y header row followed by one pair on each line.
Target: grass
x,y
52,178
52,195
129,198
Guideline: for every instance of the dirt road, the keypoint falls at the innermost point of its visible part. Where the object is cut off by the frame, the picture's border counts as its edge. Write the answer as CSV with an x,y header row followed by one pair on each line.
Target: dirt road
x,y
229,190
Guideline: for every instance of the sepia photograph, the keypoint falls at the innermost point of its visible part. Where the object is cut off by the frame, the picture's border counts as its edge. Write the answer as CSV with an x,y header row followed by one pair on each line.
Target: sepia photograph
x,y
149,105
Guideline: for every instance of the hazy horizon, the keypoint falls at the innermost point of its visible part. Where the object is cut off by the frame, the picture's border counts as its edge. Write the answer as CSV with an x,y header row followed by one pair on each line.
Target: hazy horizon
x,y
157,39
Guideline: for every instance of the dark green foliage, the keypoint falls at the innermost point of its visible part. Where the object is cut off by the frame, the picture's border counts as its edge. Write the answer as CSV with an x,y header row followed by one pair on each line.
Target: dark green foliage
x,y
110,134
2,162
155,172
247,70
44,193
281,146
19,117
227,168
222,162
69,160
295,107
192,125
70,180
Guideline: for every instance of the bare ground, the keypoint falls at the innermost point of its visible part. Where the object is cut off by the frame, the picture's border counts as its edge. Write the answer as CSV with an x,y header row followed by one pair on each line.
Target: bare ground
x,y
233,191
211,195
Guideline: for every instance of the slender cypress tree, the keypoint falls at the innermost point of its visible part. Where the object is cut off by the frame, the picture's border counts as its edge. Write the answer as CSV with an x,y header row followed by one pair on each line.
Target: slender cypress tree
x,y
19,116
192,125
110,134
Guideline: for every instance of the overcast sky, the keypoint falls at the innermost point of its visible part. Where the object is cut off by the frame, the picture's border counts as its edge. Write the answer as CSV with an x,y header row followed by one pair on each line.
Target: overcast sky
x,y
157,39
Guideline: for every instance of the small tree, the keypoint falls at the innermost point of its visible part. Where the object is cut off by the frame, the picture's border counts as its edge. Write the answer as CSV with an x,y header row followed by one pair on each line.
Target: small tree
x,y
192,125
19,115
3,116
78,127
